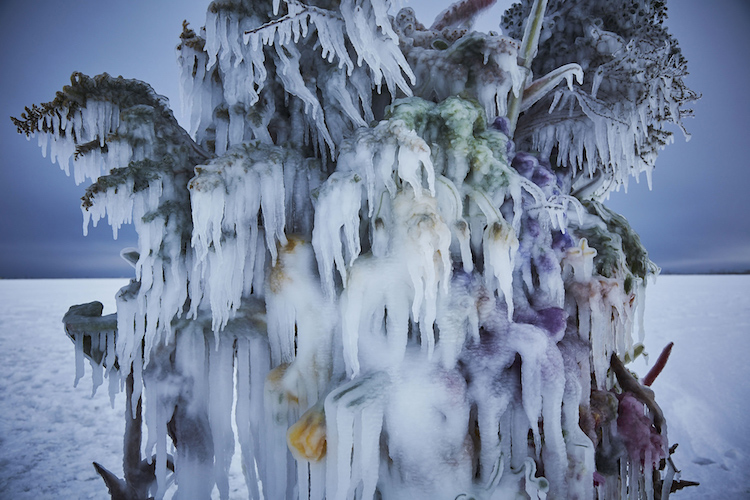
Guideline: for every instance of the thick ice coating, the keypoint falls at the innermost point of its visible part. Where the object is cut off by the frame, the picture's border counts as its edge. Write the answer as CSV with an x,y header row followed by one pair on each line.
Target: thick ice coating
x,y
362,266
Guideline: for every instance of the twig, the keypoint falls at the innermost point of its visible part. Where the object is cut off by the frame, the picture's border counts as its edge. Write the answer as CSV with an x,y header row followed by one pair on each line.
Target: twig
x,y
658,366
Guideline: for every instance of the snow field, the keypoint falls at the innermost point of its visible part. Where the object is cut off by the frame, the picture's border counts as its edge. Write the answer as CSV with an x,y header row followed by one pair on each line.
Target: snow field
x,y
50,432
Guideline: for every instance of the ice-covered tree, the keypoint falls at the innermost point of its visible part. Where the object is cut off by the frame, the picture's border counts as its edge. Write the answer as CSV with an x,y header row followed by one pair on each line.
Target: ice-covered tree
x,y
379,259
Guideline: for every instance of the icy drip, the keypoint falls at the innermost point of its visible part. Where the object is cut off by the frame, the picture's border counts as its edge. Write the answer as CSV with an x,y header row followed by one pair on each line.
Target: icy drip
x,y
364,24
280,400
421,239
147,307
200,93
300,321
617,121
253,362
217,94
490,73
229,196
580,448
457,319
162,272
94,338
337,206
599,139
377,158
91,125
194,393
215,69
354,419
220,399
500,247
224,45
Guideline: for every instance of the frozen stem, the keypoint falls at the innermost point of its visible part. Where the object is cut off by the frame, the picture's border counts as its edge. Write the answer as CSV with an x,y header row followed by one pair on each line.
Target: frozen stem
x,y
658,366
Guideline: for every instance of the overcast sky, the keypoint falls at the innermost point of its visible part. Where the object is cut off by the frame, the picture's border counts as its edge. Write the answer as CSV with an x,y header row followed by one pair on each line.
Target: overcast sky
x,y
696,219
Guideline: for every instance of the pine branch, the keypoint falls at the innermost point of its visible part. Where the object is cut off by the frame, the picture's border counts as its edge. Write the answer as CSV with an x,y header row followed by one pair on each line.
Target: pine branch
x,y
120,91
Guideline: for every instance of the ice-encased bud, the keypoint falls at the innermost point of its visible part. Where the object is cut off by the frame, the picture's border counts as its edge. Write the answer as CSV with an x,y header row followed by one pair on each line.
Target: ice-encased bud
x,y
581,260
307,437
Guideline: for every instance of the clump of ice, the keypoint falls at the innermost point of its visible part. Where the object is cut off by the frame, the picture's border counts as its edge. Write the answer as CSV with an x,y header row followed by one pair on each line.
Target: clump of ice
x,y
389,286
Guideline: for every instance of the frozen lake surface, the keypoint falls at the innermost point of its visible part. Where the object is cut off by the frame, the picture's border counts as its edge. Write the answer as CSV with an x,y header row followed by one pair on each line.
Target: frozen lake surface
x,y
50,432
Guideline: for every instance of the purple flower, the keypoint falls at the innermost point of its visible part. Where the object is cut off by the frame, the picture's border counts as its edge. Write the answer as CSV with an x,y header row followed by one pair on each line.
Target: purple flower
x,y
638,432
525,164
543,177
502,124
537,171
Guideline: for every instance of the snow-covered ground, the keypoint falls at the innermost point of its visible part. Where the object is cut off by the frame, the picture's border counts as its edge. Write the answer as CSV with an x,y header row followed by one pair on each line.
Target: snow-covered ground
x,y
704,389
50,432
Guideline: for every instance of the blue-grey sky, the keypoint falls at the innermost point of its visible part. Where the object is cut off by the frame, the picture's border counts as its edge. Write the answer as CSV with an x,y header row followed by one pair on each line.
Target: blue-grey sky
x,y
696,219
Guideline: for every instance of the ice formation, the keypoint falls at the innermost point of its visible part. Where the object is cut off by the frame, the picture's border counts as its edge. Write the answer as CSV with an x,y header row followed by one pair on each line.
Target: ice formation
x,y
383,247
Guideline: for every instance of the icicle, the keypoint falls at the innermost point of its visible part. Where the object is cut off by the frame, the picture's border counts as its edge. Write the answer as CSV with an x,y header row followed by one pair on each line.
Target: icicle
x,y
462,232
351,460
97,370
227,196
295,308
113,376
412,153
252,366
337,207
79,358
220,375
280,467
423,239
194,453
160,391
376,44
640,304
457,319
376,286
500,246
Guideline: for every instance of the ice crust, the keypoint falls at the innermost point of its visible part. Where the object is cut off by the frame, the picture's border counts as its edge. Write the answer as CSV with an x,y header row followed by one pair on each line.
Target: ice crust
x,y
617,119
391,306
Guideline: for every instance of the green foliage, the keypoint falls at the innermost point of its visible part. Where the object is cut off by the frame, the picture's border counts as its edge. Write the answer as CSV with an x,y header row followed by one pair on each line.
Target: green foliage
x,y
613,240
120,91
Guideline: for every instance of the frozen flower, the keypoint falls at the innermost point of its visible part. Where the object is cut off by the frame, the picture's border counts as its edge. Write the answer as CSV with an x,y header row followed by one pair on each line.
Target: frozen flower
x,y
644,443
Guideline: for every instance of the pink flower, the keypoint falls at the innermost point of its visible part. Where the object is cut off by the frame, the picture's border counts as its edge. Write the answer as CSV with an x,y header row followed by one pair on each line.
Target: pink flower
x,y
637,431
